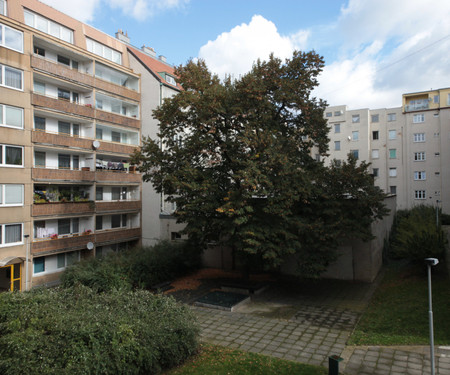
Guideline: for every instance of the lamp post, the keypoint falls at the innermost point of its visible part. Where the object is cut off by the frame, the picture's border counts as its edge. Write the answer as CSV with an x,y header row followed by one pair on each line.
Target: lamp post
x,y
431,262
26,263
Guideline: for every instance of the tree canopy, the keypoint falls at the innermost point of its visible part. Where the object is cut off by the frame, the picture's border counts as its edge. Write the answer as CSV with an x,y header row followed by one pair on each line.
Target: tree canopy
x,y
240,158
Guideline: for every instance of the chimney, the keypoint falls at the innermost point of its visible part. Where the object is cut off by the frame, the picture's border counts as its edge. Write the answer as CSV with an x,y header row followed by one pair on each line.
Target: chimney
x,y
162,58
149,50
123,37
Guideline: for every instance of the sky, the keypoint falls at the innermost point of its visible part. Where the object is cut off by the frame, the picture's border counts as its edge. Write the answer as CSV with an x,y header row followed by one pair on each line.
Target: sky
x,y
374,50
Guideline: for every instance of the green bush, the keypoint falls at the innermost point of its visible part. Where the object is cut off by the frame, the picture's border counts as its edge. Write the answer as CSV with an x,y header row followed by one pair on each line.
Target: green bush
x,y
136,268
78,331
416,235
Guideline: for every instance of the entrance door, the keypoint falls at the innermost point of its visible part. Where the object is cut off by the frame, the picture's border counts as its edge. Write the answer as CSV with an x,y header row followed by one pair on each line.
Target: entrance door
x,y
10,278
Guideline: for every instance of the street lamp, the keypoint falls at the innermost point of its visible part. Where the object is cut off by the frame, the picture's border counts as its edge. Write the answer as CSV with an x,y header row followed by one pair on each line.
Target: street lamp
x,y
431,262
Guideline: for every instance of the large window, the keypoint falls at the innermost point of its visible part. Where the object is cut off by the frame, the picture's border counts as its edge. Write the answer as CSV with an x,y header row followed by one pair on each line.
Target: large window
x,y
63,161
11,38
11,195
11,156
104,51
11,77
39,159
11,116
419,117
47,26
419,156
10,234
39,123
419,137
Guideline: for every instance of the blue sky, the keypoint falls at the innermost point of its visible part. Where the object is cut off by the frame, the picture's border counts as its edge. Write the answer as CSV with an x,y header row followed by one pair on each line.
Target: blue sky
x,y
374,50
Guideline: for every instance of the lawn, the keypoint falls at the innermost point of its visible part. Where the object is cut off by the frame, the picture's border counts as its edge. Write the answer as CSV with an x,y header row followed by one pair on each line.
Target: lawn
x,y
398,312
217,360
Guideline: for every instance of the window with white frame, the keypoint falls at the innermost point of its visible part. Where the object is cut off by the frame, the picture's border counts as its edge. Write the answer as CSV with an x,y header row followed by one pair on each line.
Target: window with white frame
x,y
375,154
48,26
392,134
391,117
420,175
171,80
11,38
11,77
104,51
11,234
55,263
337,128
3,7
355,135
337,145
419,156
419,137
420,194
418,117
11,117
11,195
355,118
392,172
11,156
375,118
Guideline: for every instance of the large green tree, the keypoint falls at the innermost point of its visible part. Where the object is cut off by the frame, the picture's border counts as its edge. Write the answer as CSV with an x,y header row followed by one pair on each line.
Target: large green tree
x,y
239,159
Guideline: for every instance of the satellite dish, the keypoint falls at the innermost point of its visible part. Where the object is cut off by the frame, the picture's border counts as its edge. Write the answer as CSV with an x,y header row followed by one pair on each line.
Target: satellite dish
x,y
90,245
96,144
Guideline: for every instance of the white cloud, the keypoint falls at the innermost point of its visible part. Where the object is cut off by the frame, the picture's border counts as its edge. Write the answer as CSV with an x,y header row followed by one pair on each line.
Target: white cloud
x,y
235,51
82,10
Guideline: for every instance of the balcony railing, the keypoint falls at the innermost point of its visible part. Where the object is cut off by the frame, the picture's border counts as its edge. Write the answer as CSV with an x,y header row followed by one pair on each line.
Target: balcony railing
x,y
116,89
117,206
105,175
61,208
118,119
112,235
62,105
119,148
45,174
417,106
60,139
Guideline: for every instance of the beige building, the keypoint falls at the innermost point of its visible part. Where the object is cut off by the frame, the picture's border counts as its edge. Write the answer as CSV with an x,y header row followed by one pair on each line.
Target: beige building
x,y
70,110
408,147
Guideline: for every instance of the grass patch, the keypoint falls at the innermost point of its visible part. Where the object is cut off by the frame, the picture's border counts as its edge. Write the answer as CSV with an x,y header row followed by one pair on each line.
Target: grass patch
x,y
217,360
398,312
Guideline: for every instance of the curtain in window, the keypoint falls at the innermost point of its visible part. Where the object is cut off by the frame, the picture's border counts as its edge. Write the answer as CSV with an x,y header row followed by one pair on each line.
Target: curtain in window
x,y
64,161
39,123
39,159
13,233
13,155
63,226
13,194
14,116
13,78
39,264
63,127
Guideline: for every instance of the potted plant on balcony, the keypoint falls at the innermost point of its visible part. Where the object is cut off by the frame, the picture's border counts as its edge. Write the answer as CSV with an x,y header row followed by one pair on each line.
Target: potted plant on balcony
x,y
54,236
87,231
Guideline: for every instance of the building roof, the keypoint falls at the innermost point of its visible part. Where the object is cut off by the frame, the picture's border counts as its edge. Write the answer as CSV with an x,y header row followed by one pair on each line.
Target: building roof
x,y
155,66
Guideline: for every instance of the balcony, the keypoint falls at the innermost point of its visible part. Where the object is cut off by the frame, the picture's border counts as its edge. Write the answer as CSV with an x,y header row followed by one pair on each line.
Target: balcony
x,y
132,122
61,71
60,140
417,106
116,89
63,105
61,208
117,206
47,174
105,175
119,148
113,235
68,242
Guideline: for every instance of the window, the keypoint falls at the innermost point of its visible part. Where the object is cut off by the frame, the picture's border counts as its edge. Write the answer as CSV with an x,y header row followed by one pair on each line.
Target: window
x,y
437,154
104,51
115,221
393,189
10,77
338,113
337,128
355,118
124,220
75,225
11,38
392,172
98,104
355,153
39,51
67,259
436,99
115,193
436,135
337,145
99,193
115,136
171,80
99,133
63,161
3,7
419,137
11,195
392,134
63,60
63,94
355,135
391,117
63,226
39,123
420,194
375,118
39,87
98,222
48,26
393,153
419,117
375,154
11,116
375,172
420,175
10,234
39,265
39,159
11,156
76,130
419,156
375,135
329,114
63,127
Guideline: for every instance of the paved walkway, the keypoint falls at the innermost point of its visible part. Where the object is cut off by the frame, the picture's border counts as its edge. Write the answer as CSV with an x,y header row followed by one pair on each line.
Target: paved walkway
x,y
295,325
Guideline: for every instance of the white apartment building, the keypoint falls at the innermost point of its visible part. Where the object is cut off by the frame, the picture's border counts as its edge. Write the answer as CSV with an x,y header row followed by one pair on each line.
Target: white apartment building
x,y
408,146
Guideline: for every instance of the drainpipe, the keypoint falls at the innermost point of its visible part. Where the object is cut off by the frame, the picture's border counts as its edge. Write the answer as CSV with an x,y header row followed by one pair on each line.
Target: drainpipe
x,y
27,236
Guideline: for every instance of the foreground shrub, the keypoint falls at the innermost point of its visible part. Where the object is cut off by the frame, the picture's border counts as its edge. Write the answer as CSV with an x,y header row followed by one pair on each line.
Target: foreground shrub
x,y
79,331
417,236
136,268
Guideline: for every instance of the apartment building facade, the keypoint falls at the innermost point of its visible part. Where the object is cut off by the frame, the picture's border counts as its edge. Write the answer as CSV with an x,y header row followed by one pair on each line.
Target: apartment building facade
x,y
70,109
408,146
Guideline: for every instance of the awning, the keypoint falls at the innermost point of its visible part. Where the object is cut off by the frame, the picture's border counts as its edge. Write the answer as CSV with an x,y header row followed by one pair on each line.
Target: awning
x,y
11,260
